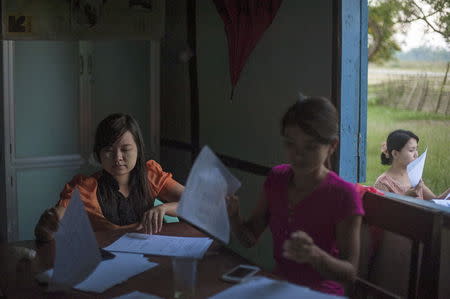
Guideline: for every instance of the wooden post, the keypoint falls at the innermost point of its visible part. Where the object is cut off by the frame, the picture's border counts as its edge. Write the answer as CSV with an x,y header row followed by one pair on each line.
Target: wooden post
x,y
442,90
411,94
423,94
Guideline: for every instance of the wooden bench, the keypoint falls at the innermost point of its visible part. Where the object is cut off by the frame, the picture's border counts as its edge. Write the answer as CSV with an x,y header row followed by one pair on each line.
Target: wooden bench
x,y
422,226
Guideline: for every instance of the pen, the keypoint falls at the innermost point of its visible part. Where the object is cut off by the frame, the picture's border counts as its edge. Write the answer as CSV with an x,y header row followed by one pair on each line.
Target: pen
x,y
138,236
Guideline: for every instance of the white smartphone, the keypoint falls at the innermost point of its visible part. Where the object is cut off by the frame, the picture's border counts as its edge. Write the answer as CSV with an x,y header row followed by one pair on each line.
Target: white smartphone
x,y
240,273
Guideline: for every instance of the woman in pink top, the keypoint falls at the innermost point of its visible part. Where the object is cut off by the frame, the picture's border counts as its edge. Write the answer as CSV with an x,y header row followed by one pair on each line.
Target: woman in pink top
x,y
314,215
399,150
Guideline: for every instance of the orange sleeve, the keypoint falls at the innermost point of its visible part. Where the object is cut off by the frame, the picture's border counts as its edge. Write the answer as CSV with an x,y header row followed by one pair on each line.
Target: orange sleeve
x,y
87,186
157,178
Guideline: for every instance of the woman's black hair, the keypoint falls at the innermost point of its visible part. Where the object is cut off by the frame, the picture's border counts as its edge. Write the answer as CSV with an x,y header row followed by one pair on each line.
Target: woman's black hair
x,y
396,140
108,132
316,116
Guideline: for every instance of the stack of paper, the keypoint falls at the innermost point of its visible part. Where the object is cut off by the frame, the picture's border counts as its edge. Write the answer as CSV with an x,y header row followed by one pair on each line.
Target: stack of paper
x,y
265,288
162,245
203,200
109,273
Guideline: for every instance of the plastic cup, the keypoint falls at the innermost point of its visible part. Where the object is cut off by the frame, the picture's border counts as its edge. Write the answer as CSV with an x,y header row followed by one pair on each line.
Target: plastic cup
x,y
184,277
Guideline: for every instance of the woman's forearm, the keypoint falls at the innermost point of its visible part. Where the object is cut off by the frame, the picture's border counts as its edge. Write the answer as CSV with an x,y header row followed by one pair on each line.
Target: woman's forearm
x,y
171,208
444,194
241,230
334,268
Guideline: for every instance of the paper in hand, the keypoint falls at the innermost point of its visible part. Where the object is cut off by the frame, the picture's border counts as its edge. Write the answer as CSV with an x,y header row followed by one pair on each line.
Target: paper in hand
x,y
415,169
203,200
77,253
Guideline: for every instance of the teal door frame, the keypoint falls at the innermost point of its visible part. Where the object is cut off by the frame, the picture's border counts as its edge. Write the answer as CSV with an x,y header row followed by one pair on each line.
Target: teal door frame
x,y
350,86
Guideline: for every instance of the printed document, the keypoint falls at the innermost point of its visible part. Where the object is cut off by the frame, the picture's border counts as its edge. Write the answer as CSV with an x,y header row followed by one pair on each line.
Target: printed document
x,y
162,245
415,169
203,201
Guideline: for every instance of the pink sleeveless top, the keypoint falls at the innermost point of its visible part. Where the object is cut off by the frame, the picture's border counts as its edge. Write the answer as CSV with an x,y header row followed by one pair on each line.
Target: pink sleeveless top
x,y
317,215
387,183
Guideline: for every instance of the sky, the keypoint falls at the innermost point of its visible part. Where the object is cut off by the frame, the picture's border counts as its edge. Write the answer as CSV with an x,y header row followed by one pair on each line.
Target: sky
x,y
417,36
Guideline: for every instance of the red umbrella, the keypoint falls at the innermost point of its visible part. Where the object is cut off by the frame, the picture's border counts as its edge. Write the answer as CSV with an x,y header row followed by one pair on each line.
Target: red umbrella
x,y
245,22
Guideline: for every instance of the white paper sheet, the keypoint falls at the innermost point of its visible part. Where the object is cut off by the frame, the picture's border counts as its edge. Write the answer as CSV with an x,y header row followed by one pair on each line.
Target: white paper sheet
x,y
203,200
77,253
109,272
162,245
264,288
442,202
415,169
114,271
137,295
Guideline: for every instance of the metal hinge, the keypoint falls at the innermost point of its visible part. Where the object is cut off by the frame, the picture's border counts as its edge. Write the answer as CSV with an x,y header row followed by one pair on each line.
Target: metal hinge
x,y
10,148
11,181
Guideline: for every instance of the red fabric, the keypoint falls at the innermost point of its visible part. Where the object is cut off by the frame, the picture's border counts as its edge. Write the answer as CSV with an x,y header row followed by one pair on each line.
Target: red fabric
x,y
376,233
245,22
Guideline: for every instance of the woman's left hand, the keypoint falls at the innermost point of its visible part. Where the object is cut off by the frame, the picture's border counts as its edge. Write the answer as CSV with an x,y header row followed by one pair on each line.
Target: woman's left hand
x,y
152,220
301,248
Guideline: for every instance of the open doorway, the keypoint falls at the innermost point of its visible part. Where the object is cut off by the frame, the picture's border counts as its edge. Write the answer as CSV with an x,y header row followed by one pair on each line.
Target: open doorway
x,y
409,88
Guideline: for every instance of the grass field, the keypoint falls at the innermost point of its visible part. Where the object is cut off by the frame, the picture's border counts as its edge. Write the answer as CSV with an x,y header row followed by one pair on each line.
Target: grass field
x,y
433,131
425,66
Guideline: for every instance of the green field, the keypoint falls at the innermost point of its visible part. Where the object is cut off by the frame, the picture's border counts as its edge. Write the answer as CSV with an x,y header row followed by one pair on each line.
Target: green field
x,y
427,66
433,131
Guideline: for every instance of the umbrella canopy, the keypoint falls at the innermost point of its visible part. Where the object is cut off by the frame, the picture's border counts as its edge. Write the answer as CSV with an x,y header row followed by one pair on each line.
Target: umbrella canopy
x,y
245,22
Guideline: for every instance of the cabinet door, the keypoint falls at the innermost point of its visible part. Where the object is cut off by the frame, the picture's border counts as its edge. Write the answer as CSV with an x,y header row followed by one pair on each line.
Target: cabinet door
x,y
45,126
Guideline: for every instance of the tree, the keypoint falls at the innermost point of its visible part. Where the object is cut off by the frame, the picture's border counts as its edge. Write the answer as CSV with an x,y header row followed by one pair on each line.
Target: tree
x,y
386,17
382,20
435,13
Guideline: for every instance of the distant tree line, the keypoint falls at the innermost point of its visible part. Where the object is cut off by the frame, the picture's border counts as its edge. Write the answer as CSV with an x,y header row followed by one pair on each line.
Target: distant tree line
x,y
424,54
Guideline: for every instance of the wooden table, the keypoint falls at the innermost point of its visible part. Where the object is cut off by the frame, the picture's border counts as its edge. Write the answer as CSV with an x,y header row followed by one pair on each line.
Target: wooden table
x,y
17,276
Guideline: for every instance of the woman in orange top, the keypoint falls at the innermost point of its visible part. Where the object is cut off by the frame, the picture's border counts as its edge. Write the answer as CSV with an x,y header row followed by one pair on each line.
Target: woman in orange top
x,y
123,193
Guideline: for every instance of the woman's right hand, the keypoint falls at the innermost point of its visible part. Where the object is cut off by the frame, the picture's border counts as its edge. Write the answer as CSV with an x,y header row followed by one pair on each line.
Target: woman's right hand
x,y
411,192
414,191
48,224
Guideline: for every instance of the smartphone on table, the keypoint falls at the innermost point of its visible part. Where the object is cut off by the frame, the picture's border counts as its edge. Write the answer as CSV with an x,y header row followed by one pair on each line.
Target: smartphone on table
x,y
240,273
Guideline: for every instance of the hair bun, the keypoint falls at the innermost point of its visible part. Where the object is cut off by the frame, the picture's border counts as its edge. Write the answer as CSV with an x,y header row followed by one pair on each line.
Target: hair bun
x,y
384,150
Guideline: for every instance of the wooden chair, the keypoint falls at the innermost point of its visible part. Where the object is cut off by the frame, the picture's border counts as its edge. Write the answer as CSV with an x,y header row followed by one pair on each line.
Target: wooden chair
x,y
367,290
421,225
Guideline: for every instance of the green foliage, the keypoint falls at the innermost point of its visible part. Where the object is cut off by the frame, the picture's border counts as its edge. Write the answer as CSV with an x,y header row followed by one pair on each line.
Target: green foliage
x,y
386,17
382,45
435,13
433,131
